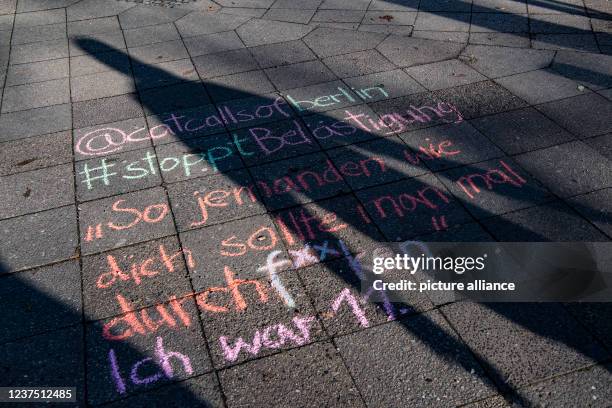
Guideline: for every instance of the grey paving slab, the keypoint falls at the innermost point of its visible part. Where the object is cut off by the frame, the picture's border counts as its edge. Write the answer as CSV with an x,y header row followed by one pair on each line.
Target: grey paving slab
x,y
386,29
159,52
37,72
358,63
572,42
159,274
93,26
40,51
8,6
503,61
480,98
345,4
96,43
213,43
151,34
102,62
164,74
556,24
319,363
406,52
36,190
174,98
290,52
141,16
526,342
521,130
301,16
22,124
592,315
442,21
519,40
554,222
34,303
290,4
213,200
452,36
584,115
17,156
591,70
569,169
242,85
499,6
326,42
603,145
260,32
339,16
201,23
182,348
6,22
246,3
395,83
398,5
225,63
35,5
300,74
40,18
177,126
39,239
127,219
55,359
339,26
101,85
393,209
444,5
105,110
425,342
494,187
499,22
541,86
36,95
312,176
87,9
395,18
445,74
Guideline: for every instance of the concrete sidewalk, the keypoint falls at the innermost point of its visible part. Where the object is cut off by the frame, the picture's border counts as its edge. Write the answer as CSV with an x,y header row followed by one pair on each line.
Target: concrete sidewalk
x,y
187,192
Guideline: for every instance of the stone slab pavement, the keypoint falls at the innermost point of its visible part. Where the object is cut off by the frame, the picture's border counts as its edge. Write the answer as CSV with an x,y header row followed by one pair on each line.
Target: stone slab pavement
x,y
185,187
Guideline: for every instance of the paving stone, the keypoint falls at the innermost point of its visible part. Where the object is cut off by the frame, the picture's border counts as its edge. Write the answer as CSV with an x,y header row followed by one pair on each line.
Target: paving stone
x,y
326,42
499,22
213,43
554,222
300,74
38,239
260,32
164,74
358,63
445,74
289,15
584,115
427,353
240,85
485,195
8,6
298,181
339,26
395,83
343,126
387,29
102,140
203,23
87,9
388,207
580,42
451,36
501,39
315,98
215,199
55,359
521,130
35,5
40,121
442,21
34,303
480,98
568,169
591,70
290,52
148,35
319,363
116,174
141,16
25,35
101,85
499,6
345,4
603,145
540,86
274,141
40,18
291,4
40,51
592,315
493,402
96,43
174,97
53,149
555,24
225,63
105,110
397,5
449,146
525,342
160,274
159,52
390,18
339,16
120,224
246,3
94,26
37,95
37,72
502,61
36,190
415,51
91,64
189,356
